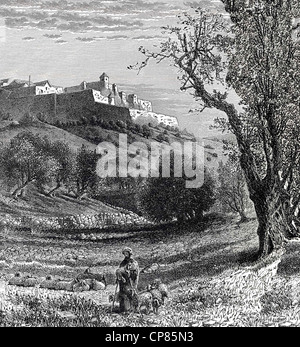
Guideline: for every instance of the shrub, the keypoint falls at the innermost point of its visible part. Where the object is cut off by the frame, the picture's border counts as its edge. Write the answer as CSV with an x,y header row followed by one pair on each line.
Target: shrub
x,y
166,199
162,137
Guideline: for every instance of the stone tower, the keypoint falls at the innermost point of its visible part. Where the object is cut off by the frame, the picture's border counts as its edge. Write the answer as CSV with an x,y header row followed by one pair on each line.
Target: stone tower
x,y
104,81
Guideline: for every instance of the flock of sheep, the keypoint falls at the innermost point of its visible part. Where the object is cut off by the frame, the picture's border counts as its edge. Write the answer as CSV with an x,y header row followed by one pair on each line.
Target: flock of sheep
x,y
150,300
82,283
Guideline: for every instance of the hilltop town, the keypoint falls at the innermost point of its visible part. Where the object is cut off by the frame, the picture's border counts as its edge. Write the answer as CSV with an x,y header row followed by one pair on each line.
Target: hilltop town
x,y
56,103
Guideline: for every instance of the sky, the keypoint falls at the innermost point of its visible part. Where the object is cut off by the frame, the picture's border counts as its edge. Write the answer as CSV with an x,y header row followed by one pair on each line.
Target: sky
x,y
70,41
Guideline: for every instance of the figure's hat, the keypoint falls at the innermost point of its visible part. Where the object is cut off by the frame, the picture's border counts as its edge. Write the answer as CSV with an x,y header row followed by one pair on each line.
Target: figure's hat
x,y
127,249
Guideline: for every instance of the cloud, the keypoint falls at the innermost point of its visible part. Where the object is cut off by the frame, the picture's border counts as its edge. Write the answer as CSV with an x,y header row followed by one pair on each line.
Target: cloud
x,y
61,42
53,36
28,38
86,39
64,20
117,37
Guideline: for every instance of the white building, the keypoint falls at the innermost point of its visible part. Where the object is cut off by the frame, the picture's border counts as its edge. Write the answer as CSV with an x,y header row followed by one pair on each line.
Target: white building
x,y
98,97
158,118
45,87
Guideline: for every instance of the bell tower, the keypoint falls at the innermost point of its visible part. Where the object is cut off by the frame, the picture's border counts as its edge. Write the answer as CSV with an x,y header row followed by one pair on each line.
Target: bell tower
x,y
104,81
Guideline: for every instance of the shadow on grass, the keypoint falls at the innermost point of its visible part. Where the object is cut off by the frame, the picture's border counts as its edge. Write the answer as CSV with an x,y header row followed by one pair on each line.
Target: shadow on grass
x,y
211,264
290,263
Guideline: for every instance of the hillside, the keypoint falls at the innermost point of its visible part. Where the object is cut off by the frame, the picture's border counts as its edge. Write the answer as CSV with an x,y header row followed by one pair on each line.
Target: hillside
x,y
89,136
37,204
8,131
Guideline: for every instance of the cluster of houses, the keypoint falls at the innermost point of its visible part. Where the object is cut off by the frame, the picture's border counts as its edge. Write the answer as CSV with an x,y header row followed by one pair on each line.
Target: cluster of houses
x,y
103,92
19,88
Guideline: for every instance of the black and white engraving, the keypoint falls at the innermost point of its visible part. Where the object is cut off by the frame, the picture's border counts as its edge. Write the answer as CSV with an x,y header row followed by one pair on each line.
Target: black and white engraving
x,y
149,165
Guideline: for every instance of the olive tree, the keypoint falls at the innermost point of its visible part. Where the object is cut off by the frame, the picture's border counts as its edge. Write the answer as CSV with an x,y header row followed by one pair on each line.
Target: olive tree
x,y
256,55
25,161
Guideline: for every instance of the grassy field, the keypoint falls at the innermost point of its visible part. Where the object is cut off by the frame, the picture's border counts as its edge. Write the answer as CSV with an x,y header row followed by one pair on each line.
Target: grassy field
x,y
37,204
204,266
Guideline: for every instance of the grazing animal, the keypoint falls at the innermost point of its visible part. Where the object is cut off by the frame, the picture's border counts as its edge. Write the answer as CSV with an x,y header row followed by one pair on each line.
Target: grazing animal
x,y
81,286
143,300
17,280
96,285
65,285
24,280
150,269
161,288
31,282
49,283
89,275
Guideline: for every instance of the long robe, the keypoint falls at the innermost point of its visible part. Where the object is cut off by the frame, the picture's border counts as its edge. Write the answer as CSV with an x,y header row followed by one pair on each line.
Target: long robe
x,y
127,276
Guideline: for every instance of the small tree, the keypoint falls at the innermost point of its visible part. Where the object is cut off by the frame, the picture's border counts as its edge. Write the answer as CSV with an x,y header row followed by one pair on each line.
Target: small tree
x,y
66,164
232,191
94,120
26,161
147,132
165,199
84,177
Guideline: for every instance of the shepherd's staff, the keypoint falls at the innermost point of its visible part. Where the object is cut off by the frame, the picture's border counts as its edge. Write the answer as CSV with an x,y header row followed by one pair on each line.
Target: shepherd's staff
x,y
114,299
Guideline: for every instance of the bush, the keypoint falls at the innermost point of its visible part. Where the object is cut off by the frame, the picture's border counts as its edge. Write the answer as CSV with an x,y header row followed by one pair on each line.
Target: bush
x,y
162,137
147,132
94,120
84,121
166,199
121,124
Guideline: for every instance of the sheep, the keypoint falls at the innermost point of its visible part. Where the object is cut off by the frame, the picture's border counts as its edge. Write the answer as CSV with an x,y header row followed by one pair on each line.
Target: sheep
x,y
24,280
150,269
81,286
157,300
89,275
162,288
17,280
49,283
143,300
65,285
96,285
138,301
159,293
31,282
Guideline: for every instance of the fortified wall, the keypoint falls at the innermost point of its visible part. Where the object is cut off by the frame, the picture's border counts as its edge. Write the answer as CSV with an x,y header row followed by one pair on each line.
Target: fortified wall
x,y
52,103
62,107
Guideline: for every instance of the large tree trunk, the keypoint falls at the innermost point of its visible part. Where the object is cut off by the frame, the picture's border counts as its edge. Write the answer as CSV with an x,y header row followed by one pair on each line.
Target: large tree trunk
x,y
272,225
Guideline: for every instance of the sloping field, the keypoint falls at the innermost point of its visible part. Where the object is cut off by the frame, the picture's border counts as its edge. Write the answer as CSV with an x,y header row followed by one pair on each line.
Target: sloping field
x,y
36,204
43,129
206,268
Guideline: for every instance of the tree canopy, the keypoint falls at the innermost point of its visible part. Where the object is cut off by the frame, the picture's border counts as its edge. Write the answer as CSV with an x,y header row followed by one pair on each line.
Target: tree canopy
x,y
256,56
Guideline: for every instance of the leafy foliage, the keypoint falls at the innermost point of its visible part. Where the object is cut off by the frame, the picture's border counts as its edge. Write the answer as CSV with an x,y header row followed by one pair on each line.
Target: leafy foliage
x,y
84,177
232,188
166,199
255,56
25,160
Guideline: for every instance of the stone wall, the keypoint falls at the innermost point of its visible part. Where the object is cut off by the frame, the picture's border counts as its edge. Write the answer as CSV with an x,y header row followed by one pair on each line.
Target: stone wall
x,y
63,107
